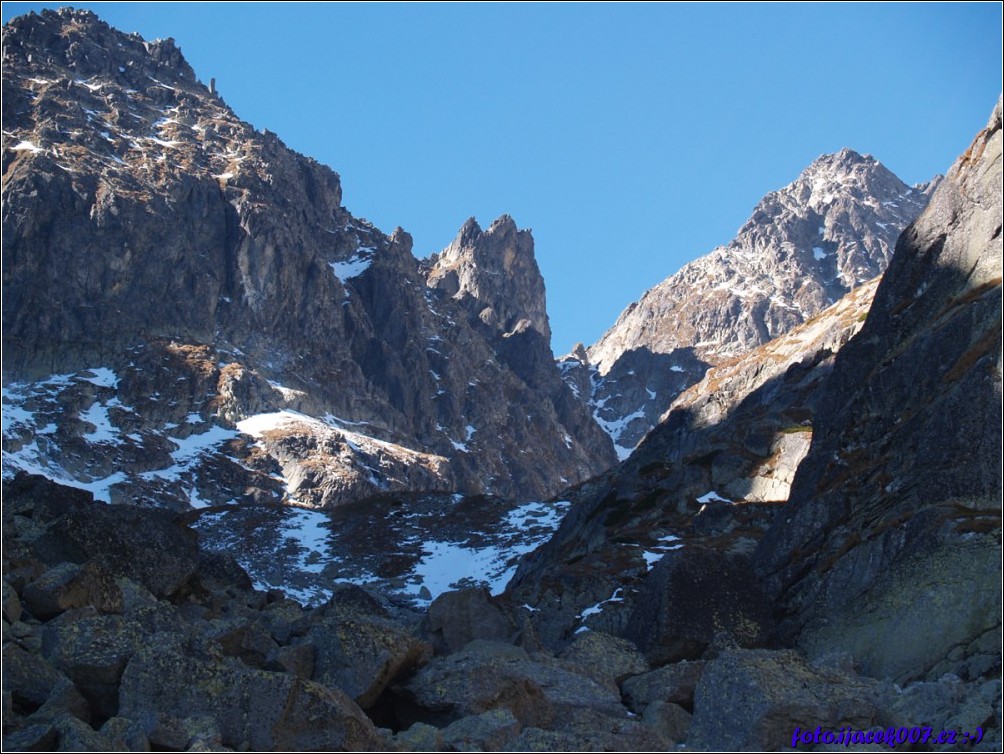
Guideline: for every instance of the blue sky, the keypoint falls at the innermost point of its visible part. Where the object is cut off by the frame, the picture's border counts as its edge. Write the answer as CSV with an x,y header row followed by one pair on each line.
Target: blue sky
x,y
630,138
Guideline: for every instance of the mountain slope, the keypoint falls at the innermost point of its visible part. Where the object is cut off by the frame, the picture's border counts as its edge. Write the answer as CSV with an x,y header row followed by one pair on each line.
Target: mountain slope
x,y
803,248
708,478
891,547
169,272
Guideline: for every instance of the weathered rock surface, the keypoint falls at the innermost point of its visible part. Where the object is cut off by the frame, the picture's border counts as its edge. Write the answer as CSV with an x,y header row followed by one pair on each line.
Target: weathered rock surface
x,y
804,247
889,548
755,699
692,594
494,274
711,476
168,272
184,656
457,618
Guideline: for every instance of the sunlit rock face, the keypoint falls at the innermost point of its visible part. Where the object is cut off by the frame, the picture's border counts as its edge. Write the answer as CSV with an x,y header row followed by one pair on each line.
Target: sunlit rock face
x,y
804,247
170,273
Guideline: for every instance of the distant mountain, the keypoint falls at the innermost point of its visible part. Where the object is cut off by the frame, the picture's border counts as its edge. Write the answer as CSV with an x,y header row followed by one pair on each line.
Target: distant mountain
x,y
190,315
803,248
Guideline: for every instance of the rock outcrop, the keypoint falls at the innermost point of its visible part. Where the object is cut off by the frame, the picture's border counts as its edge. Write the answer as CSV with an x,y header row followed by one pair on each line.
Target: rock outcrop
x,y
495,275
698,493
889,548
804,247
168,272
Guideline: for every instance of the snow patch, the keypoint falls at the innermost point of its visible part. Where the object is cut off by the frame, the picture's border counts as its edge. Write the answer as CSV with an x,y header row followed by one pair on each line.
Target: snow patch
x,y
712,497
354,266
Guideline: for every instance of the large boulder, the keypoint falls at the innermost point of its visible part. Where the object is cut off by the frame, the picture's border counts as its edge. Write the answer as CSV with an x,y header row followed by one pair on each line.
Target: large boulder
x,y
490,675
693,594
756,698
456,618
249,708
357,647
148,546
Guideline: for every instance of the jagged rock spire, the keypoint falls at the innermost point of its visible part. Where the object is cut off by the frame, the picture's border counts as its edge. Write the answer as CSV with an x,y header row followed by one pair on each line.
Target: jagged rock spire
x,y
496,273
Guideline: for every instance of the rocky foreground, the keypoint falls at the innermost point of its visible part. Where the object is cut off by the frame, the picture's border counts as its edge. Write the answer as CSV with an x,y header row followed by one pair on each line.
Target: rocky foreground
x,y
121,633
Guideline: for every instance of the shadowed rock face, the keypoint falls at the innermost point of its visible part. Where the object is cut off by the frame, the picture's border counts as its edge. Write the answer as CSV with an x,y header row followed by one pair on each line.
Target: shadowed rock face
x,y
890,547
213,274
701,488
803,248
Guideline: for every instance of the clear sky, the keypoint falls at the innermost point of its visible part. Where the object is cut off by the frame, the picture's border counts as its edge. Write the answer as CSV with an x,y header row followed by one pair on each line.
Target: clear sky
x,y
630,138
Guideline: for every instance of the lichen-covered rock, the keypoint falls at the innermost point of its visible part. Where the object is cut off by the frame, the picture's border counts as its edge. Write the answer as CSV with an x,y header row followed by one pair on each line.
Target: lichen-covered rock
x,y
254,708
691,595
68,585
493,730
673,683
93,651
360,651
755,698
456,618
28,677
606,659
670,720
162,559
489,675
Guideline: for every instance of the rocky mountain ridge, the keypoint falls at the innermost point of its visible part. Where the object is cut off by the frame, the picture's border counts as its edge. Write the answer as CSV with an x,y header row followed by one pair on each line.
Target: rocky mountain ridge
x,y
169,272
809,537
803,248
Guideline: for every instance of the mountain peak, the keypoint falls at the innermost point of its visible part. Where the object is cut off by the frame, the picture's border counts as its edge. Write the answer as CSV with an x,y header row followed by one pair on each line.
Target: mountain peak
x,y
79,41
496,273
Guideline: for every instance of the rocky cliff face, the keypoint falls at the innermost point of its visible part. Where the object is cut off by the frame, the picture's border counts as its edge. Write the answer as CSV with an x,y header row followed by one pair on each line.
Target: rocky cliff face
x,y
803,248
169,272
494,274
704,484
890,546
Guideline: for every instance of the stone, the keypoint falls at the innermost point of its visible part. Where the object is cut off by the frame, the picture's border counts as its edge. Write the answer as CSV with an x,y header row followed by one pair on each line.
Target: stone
x,y
492,730
93,651
358,650
889,547
297,660
124,735
456,618
490,675
755,698
670,720
690,595
29,678
671,683
606,659
11,603
249,642
68,585
804,247
421,737
162,560
254,708
34,737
